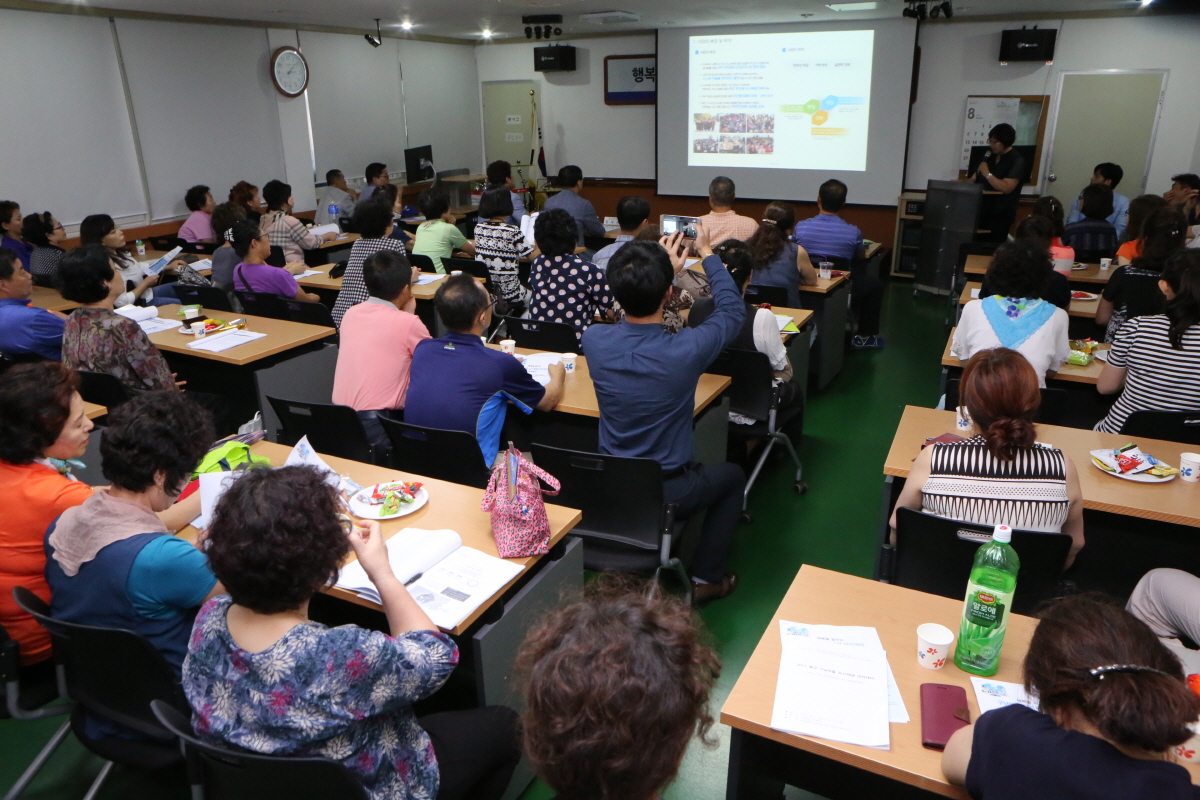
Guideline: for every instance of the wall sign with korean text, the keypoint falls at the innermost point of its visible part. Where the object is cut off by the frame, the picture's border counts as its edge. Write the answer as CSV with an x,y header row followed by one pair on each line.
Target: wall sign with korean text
x,y
630,80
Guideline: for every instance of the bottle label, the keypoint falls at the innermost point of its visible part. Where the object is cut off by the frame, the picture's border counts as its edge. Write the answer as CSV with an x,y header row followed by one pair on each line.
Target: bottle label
x,y
985,608
333,209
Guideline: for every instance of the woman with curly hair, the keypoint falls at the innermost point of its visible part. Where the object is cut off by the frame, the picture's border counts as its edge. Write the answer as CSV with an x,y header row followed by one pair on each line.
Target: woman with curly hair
x,y
344,693
616,687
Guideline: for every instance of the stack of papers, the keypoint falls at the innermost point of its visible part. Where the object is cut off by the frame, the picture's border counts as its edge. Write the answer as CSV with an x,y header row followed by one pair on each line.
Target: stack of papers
x,y
538,366
220,342
428,277
835,683
158,325
306,273
202,264
321,230
786,324
138,313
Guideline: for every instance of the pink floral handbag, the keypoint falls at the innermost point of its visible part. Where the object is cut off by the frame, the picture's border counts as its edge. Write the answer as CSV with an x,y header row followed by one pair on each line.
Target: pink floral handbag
x,y
514,498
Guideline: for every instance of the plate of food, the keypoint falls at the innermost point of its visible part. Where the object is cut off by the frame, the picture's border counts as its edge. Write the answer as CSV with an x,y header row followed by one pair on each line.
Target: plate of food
x,y
1084,296
388,500
1078,266
1131,464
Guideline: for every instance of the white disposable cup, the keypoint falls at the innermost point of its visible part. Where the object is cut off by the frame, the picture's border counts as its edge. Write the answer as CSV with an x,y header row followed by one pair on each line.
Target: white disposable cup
x,y
1105,263
456,272
1189,467
933,645
962,420
568,360
508,346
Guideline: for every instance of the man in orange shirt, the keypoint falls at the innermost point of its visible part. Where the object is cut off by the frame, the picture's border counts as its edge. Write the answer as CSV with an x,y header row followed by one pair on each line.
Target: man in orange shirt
x,y
723,222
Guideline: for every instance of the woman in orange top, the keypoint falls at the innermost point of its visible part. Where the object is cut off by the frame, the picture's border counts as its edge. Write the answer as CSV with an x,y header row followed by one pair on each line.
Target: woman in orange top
x,y
42,427
1139,209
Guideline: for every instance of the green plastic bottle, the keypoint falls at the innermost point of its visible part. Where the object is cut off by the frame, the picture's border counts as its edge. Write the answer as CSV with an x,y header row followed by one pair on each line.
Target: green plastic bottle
x,y
990,591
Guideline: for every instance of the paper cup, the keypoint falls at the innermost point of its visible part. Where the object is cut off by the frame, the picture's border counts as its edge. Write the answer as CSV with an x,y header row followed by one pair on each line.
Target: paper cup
x,y
1189,467
962,420
1105,263
508,346
568,360
1190,750
933,645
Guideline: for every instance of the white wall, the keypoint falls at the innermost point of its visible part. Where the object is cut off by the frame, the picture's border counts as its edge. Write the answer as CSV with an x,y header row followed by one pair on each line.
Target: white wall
x,y
577,128
441,101
960,59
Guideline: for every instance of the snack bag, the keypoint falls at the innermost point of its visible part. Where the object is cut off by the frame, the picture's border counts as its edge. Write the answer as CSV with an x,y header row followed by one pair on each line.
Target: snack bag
x,y
1131,460
1080,358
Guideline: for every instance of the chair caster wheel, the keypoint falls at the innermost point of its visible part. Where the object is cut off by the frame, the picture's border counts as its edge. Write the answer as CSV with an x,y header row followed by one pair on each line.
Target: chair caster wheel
x,y
747,517
800,487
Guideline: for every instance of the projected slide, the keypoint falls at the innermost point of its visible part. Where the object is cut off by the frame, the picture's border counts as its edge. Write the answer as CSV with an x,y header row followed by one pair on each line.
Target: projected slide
x,y
780,100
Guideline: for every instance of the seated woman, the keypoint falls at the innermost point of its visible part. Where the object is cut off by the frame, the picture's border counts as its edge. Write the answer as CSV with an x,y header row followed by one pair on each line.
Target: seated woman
x,y
1093,237
1140,208
1050,208
1038,486
389,194
245,194
136,283
778,261
1132,290
1057,289
198,226
563,287
285,231
616,688
113,561
1015,317
501,246
373,221
1113,705
1155,360
254,274
225,258
43,429
45,234
276,539
438,236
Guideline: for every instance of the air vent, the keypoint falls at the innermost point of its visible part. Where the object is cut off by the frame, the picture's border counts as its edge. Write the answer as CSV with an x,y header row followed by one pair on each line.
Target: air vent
x,y
609,17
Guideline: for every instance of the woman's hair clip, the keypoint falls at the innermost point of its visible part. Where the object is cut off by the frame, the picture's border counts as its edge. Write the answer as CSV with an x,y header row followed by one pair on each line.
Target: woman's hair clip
x,y
1100,672
229,235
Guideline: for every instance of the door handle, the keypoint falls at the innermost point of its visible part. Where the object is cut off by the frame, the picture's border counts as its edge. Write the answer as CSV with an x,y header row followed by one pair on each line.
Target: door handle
x,y
1052,177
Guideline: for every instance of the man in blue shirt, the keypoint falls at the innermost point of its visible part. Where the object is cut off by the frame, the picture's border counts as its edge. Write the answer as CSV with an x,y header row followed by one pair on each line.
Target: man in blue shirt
x,y
827,234
633,213
24,329
570,180
11,225
457,383
1110,175
499,173
645,381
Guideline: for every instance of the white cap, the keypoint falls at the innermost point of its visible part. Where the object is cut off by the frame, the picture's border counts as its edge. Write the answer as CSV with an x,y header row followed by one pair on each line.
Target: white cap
x,y
1002,534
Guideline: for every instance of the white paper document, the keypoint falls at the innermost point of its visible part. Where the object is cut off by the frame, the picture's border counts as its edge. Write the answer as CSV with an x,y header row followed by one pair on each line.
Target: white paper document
x,y
538,366
321,230
428,277
307,273
159,264
856,637
833,692
202,264
220,342
975,294
992,694
212,486
783,320
138,313
303,454
159,325
410,552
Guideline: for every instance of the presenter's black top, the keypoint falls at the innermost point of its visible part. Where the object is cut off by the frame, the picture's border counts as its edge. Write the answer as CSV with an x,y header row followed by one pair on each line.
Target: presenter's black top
x,y
997,208
1021,754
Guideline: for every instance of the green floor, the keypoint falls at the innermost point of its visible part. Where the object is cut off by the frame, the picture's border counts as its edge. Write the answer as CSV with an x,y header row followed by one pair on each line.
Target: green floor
x,y
848,428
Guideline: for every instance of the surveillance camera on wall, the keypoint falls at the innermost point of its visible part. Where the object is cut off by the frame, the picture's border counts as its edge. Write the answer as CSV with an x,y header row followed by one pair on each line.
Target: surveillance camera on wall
x,y
377,39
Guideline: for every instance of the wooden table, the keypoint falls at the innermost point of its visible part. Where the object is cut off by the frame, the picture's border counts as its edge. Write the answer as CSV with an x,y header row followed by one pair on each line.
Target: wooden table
x,y
1069,372
50,299
978,265
800,316
833,769
1079,308
345,240
465,179
92,411
282,335
323,281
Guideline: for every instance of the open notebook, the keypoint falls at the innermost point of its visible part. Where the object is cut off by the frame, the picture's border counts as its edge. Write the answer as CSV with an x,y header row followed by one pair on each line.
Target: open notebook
x,y
449,581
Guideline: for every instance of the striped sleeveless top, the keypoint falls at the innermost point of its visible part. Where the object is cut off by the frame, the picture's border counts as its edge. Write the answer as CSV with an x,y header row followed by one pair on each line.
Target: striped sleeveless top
x,y
967,483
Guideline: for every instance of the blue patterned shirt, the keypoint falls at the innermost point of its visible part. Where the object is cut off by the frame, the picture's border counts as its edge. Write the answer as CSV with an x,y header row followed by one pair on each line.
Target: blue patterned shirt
x,y
344,693
828,235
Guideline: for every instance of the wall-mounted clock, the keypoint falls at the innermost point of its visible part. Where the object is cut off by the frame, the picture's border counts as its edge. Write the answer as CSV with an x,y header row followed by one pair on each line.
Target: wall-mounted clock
x,y
289,71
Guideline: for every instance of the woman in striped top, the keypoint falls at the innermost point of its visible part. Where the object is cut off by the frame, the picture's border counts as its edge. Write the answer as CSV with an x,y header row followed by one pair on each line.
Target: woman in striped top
x,y
1156,359
1000,475
373,221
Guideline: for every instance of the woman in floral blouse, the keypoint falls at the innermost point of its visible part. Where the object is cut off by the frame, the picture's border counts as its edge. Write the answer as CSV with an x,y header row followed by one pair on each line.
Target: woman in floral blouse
x,y
261,676
565,287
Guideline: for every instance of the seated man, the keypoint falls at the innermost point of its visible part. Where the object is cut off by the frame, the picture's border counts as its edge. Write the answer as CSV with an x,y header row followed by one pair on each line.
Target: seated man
x,y
645,381
1184,194
378,338
633,213
723,222
570,180
457,383
827,234
1093,237
23,328
376,175
1110,175
198,226
499,173
335,200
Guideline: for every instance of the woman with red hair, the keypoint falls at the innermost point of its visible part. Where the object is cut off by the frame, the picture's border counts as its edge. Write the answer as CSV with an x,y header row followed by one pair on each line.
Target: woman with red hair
x,y
1000,474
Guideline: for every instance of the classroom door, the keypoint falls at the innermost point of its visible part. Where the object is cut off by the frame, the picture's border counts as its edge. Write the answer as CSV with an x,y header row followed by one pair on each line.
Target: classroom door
x,y
507,124
1109,115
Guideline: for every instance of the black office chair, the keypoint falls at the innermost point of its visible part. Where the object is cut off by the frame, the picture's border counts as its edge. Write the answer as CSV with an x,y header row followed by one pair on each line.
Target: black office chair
x,y
1093,256
595,243
199,248
277,258
935,555
309,313
965,250
553,337
164,243
838,262
12,359
626,524
752,394
263,304
219,773
1052,411
115,674
28,698
209,297
1171,426
452,456
471,267
774,295
332,430
425,263
102,389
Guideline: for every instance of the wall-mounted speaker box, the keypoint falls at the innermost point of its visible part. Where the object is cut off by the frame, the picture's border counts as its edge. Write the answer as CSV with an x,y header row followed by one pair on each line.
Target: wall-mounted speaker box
x,y
560,58
1028,44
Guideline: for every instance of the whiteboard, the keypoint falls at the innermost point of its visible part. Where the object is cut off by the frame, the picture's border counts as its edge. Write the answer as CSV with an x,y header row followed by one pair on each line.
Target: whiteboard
x,y
68,144
981,115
